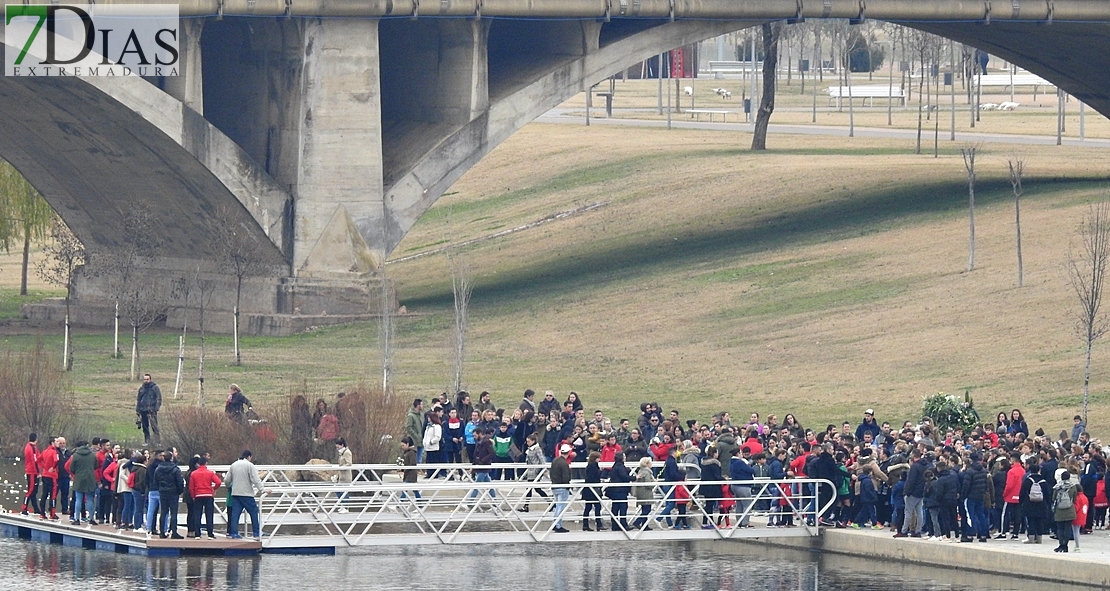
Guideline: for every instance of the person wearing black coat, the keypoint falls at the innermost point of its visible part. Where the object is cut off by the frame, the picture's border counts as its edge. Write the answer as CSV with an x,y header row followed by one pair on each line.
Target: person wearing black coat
x,y
711,472
914,494
590,494
824,467
170,485
946,491
618,491
973,493
1034,511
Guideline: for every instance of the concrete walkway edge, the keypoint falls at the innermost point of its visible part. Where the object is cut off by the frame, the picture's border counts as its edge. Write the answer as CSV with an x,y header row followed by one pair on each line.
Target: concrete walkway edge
x,y
999,557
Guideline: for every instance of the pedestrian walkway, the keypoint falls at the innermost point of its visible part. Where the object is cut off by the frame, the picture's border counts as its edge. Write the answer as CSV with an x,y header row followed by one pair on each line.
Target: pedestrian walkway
x,y
1089,567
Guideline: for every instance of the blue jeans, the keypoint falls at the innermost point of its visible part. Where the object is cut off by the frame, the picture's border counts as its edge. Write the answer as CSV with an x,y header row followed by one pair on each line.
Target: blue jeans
x,y
139,503
238,505
128,509
562,499
81,501
151,509
977,524
482,477
866,514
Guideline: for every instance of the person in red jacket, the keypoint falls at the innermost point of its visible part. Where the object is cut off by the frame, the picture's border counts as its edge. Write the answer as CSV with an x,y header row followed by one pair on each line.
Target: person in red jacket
x,y
48,468
202,487
31,469
1011,495
1082,507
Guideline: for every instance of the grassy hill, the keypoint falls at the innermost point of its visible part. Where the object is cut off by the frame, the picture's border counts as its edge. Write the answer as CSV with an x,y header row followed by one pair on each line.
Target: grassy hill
x,y
822,277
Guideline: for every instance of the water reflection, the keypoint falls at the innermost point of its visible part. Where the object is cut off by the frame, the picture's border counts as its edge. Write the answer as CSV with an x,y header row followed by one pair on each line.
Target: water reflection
x,y
684,566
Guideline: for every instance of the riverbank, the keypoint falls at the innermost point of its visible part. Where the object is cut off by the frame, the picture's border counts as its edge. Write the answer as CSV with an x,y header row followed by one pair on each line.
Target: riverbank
x,y
1089,567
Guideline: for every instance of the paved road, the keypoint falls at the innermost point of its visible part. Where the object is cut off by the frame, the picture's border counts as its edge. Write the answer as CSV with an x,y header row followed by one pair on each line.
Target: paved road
x,y
681,122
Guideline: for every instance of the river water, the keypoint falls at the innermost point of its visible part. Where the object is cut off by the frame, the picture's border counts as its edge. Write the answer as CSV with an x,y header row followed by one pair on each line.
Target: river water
x,y
674,566
625,566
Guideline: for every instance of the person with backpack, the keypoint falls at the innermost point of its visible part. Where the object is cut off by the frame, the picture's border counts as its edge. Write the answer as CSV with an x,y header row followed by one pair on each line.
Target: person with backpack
x,y
1063,509
1032,500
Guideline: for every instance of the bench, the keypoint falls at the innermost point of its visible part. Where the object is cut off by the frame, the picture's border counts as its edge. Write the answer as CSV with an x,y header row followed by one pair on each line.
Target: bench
x,y
734,67
1017,80
872,91
697,113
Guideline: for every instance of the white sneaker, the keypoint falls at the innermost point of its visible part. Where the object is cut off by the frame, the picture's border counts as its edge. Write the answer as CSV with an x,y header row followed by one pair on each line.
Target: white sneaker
x,y
342,510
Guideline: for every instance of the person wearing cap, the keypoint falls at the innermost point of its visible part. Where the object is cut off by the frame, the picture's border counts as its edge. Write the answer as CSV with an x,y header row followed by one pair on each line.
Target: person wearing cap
x,y
560,483
869,425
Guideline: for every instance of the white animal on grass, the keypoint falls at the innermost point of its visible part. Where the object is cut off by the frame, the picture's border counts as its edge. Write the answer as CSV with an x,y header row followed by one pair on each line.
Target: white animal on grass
x,y
1008,106
988,107
723,93
689,90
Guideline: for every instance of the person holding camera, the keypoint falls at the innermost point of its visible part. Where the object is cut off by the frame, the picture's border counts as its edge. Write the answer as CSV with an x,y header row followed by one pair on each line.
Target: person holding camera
x,y
146,407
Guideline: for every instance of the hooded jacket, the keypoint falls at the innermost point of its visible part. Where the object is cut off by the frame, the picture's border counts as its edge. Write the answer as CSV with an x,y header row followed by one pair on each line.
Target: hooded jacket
x,y
974,485
168,479
83,467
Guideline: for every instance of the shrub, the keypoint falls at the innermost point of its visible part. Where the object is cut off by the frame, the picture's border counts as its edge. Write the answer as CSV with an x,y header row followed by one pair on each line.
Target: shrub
x,y
196,430
951,411
35,395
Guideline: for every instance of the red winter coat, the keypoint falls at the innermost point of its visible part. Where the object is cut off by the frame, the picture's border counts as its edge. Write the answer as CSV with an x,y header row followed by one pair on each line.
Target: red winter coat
x,y
1012,492
1081,508
108,475
48,462
203,483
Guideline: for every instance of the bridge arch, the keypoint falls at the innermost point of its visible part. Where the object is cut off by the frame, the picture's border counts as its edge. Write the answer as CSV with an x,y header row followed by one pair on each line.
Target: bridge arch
x,y
438,94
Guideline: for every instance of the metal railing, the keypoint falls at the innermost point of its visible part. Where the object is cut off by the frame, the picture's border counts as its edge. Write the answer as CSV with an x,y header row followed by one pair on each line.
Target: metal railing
x,y
304,508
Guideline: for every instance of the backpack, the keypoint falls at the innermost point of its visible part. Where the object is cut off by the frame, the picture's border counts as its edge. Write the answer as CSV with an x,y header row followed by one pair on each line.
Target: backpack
x,y
1036,492
131,480
1063,500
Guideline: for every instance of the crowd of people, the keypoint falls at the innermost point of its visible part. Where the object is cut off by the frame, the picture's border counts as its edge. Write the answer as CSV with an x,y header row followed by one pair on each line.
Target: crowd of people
x,y
98,483
997,480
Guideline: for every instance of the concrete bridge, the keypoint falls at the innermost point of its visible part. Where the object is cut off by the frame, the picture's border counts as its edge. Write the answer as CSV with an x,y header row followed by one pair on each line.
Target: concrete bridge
x,y
325,129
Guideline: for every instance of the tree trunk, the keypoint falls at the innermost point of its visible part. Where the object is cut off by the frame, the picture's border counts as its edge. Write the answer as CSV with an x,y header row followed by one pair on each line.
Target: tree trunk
x,y
116,354
238,352
134,352
67,358
771,33
1087,378
26,257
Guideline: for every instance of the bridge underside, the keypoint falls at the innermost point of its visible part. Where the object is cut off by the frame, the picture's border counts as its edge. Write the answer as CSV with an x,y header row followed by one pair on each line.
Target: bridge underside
x,y
326,139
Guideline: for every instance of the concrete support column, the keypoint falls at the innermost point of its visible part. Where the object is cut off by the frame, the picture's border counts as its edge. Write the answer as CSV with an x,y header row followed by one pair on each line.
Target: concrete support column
x,y
188,85
338,193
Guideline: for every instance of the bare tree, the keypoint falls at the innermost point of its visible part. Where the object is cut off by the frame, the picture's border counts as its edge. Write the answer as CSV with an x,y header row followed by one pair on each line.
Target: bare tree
x,y
462,288
205,288
139,301
1017,169
63,256
385,330
242,256
771,34
1087,272
183,288
919,42
969,153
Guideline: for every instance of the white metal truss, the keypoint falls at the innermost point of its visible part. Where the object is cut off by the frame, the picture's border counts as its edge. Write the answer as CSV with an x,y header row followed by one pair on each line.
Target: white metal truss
x,y
304,508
